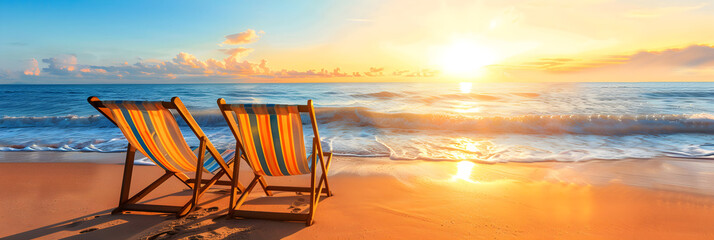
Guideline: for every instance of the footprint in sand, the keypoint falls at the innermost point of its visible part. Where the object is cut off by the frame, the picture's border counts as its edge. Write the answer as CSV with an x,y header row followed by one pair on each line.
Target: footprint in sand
x,y
74,224
162,234
77,223
296,206
88,230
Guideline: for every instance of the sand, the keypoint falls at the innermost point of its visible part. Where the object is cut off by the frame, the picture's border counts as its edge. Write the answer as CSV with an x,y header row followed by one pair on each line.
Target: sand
x,y
374,199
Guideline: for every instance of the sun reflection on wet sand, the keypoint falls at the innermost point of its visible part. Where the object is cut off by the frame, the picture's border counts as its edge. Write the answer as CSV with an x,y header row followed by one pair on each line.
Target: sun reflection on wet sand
x,y
463,171
471,149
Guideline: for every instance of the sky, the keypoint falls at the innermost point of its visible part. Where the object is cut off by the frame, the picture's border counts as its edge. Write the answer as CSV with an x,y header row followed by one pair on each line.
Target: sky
x,y
355,41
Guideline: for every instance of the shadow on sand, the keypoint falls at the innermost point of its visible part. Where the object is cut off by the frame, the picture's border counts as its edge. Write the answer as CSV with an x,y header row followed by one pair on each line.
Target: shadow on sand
x,y
204,223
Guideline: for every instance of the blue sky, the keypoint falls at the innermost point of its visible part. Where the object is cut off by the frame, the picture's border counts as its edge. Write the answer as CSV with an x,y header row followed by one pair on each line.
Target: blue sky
x,y
110,32
389,40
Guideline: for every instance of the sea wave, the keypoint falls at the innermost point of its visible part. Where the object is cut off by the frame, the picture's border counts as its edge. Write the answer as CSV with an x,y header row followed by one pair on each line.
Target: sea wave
x,y
358,117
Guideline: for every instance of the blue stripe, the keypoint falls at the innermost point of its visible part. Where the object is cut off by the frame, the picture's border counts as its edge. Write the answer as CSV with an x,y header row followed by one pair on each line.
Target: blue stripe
x,y
256,139
209,162
274,127
138,138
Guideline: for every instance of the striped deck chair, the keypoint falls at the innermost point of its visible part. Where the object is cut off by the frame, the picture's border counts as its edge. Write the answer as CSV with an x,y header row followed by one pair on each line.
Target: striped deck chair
x,y
151,128
270,139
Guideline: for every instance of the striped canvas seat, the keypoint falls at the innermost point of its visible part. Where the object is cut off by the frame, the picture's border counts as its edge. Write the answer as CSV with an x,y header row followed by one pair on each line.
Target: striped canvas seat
x,y
271,141
153,130
272,138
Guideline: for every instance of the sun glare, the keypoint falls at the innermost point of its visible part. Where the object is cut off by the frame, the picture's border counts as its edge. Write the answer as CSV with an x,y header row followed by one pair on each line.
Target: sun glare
x,y
466,87
465,59
463,170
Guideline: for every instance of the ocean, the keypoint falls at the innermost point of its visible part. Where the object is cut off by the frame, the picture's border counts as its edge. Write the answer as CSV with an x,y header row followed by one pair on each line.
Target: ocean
x,y
450,121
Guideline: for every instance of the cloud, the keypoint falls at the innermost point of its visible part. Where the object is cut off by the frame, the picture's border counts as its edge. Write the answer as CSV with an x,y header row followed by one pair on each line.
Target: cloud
x,y
186,66
237,52
373,72
418,73
691,63
322,73
33,68
249,36
60,65
692,56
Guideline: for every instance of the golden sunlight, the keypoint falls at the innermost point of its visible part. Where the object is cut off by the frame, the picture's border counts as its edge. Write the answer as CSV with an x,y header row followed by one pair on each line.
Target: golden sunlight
x,y
465,59
463,171
466,87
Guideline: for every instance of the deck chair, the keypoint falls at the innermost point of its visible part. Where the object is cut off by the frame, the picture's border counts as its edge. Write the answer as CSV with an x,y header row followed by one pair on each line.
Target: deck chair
x,y
151,128
271,141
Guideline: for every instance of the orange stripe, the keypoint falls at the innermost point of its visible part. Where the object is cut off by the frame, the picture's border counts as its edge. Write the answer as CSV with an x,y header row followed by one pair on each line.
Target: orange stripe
x,y
266,140
300,145
281,131
248,138
248,144
179,140
124,126
140,125
167,142
287,143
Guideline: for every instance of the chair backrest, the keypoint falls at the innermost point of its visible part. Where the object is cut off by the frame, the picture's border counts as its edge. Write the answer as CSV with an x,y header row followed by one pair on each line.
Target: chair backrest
x,y
271,137
152,129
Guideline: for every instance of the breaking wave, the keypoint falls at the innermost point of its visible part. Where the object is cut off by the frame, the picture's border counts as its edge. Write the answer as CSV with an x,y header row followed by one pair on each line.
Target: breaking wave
x,y
356,117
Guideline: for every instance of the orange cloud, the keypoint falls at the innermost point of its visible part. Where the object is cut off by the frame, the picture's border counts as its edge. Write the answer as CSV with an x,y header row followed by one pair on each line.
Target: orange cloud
x,y
418,73
689,57
691,63
235,52
249,36
373,72
32,68
186,65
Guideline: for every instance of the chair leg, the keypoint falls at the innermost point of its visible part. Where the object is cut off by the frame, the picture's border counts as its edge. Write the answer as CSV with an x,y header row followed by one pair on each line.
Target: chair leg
x,y
191,205
234,206
184,179
235,180
141,194
127,203
325,168
312,187
185,209
264,184
126,179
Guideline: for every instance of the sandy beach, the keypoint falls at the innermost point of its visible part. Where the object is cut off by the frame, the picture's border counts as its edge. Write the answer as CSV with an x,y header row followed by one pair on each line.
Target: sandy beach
x,y
374,199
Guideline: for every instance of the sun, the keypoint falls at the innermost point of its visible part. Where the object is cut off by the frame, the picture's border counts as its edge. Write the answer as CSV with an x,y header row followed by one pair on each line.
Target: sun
x,y
465,59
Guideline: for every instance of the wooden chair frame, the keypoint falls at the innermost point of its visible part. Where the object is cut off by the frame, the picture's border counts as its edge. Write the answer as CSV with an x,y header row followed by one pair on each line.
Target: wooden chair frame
x,y
127,203
315,190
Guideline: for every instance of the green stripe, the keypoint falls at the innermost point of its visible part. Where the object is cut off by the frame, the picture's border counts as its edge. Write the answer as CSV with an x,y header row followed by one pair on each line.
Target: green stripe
x,y
275,127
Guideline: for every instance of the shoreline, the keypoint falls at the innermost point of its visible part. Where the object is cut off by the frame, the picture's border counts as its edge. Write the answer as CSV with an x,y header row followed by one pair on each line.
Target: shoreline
x,y
413,199
689,175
